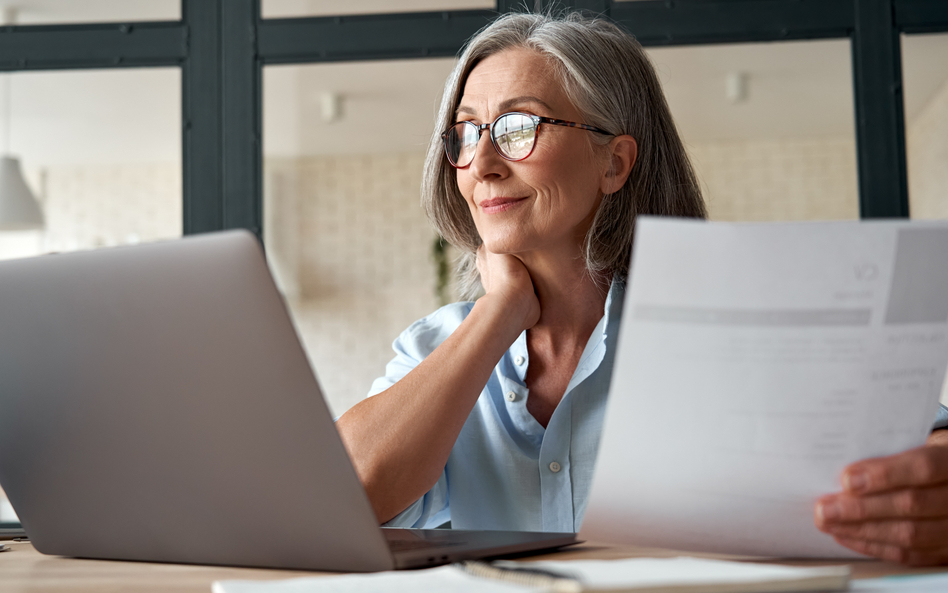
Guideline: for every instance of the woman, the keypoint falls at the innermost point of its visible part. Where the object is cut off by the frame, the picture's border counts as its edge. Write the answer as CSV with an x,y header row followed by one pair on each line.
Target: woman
x,y
553,134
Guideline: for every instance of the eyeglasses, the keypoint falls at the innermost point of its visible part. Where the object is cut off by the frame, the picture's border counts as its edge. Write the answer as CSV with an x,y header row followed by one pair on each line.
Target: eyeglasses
x,y
514,136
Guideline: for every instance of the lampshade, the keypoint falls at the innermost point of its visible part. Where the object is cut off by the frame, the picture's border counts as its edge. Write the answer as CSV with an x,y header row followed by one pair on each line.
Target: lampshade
x,y
19,209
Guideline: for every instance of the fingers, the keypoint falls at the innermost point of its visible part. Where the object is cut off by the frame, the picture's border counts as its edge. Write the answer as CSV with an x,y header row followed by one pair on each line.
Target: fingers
x,y
894,508
502,271
915,534
916,503
507,281
893,553
919,537
924,466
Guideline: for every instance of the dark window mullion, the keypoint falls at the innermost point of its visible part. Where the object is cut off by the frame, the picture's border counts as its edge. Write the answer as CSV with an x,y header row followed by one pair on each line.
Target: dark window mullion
x,y
368,37
599,7
921,16
880,123
657,22
203,209
242,121
42,47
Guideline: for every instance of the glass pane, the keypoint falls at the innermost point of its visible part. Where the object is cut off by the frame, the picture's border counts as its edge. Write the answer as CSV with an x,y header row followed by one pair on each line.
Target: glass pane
x,y
272,9
346,236
55,12
100,151
925,75
769,127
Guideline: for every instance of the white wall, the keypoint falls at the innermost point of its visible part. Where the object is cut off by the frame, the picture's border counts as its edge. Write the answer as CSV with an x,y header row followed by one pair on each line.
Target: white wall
x,y
111,116
927,148
791,179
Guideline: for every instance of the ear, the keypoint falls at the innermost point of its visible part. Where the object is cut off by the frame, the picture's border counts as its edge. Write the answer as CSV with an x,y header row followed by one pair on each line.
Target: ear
x,y
623,150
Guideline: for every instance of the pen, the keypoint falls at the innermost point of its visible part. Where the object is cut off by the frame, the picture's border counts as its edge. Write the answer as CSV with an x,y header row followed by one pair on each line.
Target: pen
x,y
523,575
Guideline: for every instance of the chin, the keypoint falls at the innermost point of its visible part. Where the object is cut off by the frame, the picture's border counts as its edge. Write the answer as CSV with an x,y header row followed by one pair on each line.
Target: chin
x,y
505,247
508,239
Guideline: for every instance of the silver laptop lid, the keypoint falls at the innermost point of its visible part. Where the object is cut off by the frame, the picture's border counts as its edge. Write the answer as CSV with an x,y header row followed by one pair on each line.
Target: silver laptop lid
x,y
148,398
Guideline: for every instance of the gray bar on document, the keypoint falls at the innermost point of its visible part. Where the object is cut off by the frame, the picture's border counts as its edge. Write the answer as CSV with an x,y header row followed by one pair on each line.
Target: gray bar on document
x,y
919,292
751,317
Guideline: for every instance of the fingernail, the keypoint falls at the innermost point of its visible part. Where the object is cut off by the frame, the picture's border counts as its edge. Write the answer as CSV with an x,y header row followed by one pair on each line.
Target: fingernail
x,y
829,511
855,482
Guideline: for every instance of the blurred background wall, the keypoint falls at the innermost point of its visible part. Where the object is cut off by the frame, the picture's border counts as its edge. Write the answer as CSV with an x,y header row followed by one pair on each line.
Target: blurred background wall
x,y
769,127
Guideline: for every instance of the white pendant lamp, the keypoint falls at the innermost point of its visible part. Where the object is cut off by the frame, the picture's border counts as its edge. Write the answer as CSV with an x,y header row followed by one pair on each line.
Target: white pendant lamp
x,y
19,209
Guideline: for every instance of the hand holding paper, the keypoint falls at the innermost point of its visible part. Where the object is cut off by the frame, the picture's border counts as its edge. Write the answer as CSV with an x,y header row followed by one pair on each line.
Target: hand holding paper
x,y
757,361
894,508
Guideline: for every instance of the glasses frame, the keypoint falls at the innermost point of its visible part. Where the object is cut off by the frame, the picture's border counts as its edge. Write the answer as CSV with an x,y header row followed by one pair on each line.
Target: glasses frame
x,y
537,120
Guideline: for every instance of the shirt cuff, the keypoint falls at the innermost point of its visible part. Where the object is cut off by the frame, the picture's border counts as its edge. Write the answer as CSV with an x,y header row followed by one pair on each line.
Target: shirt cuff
x,y
941,418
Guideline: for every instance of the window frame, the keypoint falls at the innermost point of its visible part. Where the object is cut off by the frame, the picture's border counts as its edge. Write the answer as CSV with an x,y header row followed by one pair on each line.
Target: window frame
x,y
221,47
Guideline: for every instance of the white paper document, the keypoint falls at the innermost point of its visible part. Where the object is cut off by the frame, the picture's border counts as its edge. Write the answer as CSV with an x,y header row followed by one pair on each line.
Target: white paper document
x,y
756,361
925,583
646,575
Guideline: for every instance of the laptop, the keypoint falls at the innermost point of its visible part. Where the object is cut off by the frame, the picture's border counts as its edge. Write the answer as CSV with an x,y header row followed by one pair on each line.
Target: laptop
x,y
156,405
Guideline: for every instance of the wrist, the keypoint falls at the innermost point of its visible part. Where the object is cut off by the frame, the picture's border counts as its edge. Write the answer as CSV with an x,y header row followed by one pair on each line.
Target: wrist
x,y
504,315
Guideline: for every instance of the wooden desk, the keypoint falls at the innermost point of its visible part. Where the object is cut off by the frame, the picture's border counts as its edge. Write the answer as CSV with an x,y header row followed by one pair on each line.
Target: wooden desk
x,y
23,569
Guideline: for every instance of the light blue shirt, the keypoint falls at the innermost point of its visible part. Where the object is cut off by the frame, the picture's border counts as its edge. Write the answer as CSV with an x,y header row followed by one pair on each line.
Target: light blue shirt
x,y
506,471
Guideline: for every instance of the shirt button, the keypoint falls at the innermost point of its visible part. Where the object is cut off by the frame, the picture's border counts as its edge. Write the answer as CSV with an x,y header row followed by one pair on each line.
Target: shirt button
x,y
511,396
520,360
554,467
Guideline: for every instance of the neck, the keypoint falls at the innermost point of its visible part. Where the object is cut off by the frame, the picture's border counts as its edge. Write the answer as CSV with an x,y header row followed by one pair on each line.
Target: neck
x,y
571,300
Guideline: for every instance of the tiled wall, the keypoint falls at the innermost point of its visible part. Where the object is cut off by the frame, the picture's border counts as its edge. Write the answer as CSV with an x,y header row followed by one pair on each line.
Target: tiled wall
x,y
102,205
352,248
758,180
89,206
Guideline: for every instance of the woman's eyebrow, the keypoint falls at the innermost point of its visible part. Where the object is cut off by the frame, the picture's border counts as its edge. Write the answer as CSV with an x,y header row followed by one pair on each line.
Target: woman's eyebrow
x,y
507,104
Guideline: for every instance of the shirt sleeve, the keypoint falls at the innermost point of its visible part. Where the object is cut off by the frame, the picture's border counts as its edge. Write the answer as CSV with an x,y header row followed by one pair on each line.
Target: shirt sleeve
x,y
411,347
941,418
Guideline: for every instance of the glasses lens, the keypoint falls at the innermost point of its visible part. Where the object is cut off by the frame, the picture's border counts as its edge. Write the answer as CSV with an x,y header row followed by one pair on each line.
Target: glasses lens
x,y
514,135
460,142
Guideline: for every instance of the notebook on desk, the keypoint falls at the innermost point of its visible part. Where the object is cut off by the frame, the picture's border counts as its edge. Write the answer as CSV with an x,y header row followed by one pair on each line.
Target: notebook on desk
x,y
156,404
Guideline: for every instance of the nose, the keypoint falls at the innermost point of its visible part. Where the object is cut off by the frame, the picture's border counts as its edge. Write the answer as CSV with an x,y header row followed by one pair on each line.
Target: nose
x,y
487,164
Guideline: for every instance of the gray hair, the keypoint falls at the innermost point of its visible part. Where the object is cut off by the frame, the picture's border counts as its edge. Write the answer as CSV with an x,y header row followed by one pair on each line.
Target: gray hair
x,y
609,78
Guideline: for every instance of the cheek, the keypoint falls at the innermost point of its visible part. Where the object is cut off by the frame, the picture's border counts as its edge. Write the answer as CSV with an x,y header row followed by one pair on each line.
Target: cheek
x,y
572,178
465,185
572,163
587,177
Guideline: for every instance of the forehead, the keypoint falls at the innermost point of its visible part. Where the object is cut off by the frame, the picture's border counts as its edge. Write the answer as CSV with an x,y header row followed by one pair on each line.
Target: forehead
x,y
511,74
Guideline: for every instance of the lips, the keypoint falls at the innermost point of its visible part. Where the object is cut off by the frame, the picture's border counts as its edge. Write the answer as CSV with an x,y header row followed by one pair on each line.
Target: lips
x,y
495,205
